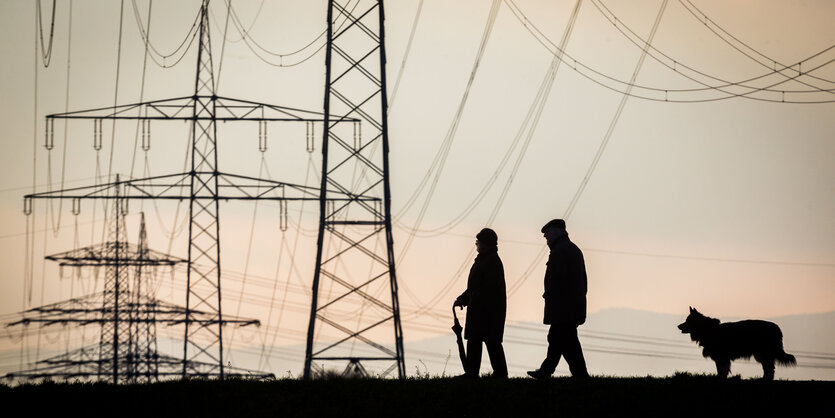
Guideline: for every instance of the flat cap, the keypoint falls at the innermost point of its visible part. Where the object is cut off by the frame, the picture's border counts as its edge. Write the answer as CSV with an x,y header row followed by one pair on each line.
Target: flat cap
x,y
554,223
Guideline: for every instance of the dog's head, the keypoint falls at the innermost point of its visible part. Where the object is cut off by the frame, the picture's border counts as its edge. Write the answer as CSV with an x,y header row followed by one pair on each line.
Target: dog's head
x,y
697,324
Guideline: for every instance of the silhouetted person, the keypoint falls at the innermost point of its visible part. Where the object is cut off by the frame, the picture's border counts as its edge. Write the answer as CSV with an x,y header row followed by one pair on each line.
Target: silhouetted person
x,y
486,303
565,302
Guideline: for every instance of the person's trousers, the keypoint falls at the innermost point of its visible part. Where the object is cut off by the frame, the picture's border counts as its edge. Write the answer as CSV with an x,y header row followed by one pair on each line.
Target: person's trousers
x,y
494,351
563,342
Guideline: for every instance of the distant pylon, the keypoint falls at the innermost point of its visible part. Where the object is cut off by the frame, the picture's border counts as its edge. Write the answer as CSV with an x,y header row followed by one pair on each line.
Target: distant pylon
x,y
355,257
127,349
127,312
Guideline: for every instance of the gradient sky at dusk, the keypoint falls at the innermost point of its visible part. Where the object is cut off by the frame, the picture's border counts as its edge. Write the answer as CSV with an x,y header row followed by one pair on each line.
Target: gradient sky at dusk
x,y
727,205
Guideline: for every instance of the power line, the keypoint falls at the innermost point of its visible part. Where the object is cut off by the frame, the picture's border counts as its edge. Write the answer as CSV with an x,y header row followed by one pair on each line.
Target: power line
x,y
181,49
581,69
616,117
443,152
405,54
705,19
46,50
677,65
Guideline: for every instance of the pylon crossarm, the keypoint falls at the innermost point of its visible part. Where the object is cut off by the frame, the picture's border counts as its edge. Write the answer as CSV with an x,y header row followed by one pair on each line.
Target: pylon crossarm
x,y
176,186
182,108
97,256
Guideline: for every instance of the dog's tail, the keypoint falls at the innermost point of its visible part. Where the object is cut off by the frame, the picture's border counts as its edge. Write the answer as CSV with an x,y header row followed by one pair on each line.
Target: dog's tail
x,y
786,359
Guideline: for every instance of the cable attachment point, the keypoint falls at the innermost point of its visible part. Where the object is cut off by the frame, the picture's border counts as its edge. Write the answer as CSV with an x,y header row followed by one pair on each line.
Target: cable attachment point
x,y
146,134
282,215
27,206
50,134
97,134
76,206
310,145
262,135
357,135
330,209
123,207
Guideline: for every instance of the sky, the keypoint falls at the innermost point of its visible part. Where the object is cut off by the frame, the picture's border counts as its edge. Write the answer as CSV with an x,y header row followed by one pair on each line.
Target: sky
x,y
726,205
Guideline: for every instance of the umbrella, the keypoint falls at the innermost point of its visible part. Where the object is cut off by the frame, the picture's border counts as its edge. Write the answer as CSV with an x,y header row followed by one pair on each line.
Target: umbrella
x,y
456,328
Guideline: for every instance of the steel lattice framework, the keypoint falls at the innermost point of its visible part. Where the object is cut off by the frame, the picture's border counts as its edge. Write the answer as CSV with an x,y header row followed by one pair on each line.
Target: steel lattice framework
x,y
206,186
126,311
355,253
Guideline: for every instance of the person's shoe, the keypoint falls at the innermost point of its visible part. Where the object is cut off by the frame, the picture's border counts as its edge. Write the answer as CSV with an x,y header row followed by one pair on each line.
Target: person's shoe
x,y
539,374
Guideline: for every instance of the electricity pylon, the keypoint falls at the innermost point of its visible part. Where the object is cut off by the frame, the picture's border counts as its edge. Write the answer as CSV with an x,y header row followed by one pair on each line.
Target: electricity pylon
x,y
207,185
355,254
126,310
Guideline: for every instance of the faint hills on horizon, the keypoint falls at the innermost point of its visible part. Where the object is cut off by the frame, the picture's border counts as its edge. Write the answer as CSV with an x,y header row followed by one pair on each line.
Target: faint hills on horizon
x,y
617,342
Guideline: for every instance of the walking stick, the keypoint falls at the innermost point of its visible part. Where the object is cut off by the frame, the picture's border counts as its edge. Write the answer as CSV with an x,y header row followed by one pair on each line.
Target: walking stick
x,y
456,328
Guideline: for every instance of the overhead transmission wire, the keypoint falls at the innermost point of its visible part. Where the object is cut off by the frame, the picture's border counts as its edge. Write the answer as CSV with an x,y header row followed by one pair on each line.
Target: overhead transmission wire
x,y
529,124
56,225
524,20
443,150
405,55
440,157
29,252
105,203
158,57
267,353
141,89
616,117
536,108
576,65
251,24
675,64
255,47
249,247
705,19
223,43
593,165
665,344
46,50
439,161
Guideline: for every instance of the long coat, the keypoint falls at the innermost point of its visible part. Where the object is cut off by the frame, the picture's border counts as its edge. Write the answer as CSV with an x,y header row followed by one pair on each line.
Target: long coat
x,y
565,284
485,299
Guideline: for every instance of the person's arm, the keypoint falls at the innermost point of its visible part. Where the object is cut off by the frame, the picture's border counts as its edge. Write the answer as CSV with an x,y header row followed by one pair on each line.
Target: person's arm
x,y
463,299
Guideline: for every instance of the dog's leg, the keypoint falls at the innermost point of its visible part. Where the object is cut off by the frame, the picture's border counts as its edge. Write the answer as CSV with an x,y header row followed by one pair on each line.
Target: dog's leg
x,y
723,368
768,369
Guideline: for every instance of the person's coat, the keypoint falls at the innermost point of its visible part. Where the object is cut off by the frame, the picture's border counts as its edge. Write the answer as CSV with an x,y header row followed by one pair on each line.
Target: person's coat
x,y
565,284
485,299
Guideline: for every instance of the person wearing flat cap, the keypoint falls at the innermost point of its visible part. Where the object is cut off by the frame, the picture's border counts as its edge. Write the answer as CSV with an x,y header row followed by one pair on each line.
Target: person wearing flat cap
x,y
486,302
565,302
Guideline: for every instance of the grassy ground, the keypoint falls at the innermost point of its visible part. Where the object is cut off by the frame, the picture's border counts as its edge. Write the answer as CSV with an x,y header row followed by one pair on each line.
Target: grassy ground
x,y
702,396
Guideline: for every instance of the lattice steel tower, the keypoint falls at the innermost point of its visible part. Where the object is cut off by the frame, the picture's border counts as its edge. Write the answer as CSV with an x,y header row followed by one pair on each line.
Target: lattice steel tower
x,y
355,253
207,185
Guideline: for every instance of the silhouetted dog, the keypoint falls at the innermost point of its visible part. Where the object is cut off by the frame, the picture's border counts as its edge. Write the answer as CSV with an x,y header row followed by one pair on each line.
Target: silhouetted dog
x,y
733,340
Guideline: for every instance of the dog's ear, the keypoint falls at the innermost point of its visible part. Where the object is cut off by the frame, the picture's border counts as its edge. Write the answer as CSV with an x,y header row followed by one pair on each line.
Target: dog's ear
x,y
691,309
